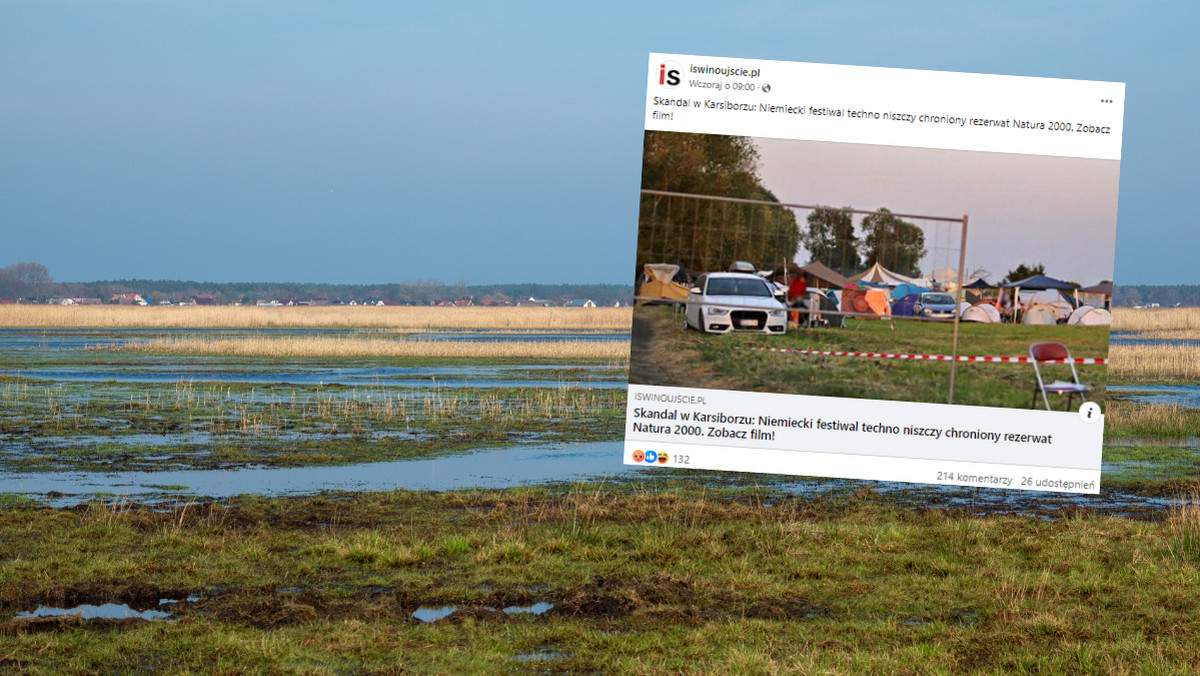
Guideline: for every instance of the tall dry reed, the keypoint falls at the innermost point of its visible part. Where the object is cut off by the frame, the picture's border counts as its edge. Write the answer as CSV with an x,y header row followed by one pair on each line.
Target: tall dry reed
x,y
335,346
1154,363
341,316
1157,319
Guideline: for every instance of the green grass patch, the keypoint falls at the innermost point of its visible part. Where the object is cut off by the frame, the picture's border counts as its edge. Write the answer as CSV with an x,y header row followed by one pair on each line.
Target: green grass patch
x,y
735,361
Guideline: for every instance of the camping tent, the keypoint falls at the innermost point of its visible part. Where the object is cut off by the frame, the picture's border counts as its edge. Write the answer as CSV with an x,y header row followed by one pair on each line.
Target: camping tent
x,y
1062,306
817,273
826,275
659,286
906,306
877,274
1086,315
985,313
818,304
907,289
1037,283
1040,283
1040,315
866,301
1098,295
979,284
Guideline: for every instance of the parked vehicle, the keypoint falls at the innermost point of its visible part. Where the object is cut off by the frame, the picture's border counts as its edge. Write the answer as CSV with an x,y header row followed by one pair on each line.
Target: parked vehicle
x,y
733,301
936,304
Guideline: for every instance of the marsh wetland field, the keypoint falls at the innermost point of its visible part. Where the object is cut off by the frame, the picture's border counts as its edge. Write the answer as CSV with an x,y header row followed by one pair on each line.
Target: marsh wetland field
x,y
396,490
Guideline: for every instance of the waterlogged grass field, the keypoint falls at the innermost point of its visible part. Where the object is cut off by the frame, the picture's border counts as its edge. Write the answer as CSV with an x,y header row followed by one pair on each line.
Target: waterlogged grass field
x,y
597,579
56,426
665,572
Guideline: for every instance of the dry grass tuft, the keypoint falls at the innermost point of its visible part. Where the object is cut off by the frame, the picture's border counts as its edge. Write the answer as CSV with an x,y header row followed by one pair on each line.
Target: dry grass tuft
x,y
1183,530
1157,363
388,317
376,347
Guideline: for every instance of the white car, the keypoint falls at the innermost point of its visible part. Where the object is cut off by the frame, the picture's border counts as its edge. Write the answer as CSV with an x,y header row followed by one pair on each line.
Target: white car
x,y
721,302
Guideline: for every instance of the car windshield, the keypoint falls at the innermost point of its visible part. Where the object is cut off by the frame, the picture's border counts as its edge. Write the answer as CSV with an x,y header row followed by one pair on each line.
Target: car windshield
x,y
938,299
732,286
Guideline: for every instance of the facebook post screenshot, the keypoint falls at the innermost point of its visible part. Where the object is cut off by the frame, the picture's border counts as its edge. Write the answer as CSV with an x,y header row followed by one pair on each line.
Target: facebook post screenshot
x,y
874,273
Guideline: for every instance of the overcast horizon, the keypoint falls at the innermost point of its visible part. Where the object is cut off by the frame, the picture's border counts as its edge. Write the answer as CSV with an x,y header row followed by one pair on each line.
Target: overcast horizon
x,y
378,141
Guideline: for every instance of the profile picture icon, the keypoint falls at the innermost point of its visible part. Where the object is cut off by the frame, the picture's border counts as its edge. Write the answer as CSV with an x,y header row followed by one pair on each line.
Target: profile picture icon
x,y
651,456
638,456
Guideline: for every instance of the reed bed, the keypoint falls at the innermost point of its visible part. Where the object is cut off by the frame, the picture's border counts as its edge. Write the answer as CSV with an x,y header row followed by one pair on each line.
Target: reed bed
x,y
1130,420
1154,363
341,316
1157,319
325,346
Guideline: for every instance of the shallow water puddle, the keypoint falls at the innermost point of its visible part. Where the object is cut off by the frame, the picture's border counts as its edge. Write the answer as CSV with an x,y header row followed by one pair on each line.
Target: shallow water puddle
x,y
427,614
1187,396
431,614
540,656
487,468
535,609
107,611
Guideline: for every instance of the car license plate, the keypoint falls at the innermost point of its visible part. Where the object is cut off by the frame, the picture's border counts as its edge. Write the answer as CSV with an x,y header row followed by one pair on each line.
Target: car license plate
x,y
746,322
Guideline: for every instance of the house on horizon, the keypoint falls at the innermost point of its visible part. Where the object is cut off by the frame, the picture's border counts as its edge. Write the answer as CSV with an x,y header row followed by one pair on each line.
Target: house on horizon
x,y
128,299
205,300
580,302
533,302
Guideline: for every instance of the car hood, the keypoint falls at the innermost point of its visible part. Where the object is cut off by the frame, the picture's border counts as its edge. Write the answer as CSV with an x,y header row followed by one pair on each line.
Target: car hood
x,y
755,302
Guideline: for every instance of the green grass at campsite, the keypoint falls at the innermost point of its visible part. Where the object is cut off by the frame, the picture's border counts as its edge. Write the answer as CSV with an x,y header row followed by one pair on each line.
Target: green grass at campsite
x,y
643,581
734,362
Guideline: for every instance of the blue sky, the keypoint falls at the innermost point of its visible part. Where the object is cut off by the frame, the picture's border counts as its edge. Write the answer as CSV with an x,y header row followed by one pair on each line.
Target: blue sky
x,y
379,142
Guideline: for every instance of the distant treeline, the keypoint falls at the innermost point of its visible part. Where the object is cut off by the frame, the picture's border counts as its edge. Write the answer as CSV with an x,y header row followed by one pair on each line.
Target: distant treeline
x,y
1165,296
420,292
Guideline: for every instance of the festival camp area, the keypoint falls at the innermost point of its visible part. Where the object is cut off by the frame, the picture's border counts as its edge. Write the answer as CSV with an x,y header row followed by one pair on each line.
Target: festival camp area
x,y
665,354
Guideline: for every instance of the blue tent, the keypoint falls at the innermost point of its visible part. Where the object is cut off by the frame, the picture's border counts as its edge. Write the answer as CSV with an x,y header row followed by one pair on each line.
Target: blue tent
x,y
906,306
1041,283
903,290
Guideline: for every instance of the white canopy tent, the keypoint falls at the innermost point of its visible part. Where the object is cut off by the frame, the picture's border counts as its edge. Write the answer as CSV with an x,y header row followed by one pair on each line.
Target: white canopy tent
x,y
877,274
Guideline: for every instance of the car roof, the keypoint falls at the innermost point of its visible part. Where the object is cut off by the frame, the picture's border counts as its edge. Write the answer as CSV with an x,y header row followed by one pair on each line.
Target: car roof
x,y
733,275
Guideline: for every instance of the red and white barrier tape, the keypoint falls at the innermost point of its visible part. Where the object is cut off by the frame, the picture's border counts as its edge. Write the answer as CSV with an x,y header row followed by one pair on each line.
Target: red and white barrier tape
x,y
932,357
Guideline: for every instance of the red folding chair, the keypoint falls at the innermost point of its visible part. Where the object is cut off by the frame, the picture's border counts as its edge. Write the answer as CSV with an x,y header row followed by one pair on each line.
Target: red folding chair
x,y
1055,352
